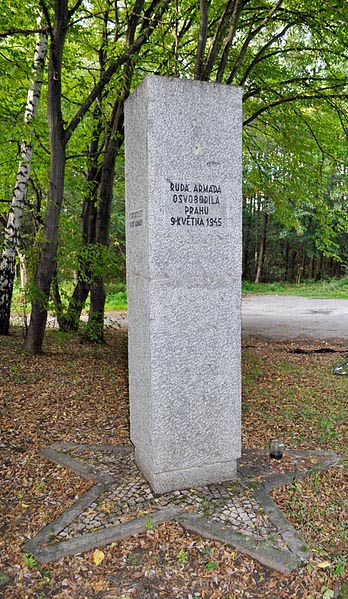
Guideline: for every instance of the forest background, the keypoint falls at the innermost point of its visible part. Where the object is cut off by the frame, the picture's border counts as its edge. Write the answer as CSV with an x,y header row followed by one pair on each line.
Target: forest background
x,y
66,71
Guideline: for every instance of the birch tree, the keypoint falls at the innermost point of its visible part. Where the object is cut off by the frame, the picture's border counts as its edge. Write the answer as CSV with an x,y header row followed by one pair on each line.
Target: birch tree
x,y
12,231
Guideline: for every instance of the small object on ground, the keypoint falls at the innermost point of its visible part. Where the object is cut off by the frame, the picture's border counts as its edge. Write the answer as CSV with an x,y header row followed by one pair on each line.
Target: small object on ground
x,y
276,449
341,368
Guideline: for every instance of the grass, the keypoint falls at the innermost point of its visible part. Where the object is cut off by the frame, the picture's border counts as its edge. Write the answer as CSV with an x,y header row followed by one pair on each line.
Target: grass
x,y
331,288
253,369
116,300
297,398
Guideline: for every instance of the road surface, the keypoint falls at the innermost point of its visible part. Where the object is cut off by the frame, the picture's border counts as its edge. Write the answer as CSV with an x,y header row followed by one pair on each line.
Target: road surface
x,y
287,316
278,317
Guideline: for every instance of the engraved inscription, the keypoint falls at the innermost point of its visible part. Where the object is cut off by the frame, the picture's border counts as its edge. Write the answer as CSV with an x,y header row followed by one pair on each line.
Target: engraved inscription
x,y
136,219
199,205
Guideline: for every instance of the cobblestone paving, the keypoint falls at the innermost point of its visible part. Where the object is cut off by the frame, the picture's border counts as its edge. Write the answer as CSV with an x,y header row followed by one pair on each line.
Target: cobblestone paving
x,y
122,503
228,505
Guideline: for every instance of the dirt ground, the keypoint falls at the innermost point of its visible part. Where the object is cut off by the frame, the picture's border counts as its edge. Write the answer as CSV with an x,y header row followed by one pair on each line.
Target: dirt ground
x,y
78,393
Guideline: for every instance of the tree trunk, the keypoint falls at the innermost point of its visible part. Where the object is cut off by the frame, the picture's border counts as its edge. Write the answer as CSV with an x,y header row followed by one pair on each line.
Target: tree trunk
x,y
261,258
12,231
95,230
246,237
23,273
337,270
286,259
202,38
311,267
319,268
45,271
95,327
69,322
292,266
97,290
301,274
46,266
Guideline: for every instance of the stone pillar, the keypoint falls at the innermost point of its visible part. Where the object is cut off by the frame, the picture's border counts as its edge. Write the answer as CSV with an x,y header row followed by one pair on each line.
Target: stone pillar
x,y
184,257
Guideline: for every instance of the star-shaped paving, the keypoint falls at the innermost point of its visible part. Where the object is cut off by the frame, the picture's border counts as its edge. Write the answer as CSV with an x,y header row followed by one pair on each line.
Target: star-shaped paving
x,y
121,503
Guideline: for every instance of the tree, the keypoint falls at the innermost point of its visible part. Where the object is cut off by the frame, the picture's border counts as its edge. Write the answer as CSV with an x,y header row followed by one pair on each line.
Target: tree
x,y
59,138
12,231
290,58
97,206
304,179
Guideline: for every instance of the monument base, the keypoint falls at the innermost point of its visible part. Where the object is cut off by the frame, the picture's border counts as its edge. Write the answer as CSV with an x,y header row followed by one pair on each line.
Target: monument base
x,y
172,480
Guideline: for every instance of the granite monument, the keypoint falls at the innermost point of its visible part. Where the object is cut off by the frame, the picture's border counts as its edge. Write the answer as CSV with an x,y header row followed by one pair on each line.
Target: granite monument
x,y
183,228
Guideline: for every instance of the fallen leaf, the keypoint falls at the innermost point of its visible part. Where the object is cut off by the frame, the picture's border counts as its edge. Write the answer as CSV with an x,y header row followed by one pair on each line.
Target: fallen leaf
x,y
99,585
98,557
323,565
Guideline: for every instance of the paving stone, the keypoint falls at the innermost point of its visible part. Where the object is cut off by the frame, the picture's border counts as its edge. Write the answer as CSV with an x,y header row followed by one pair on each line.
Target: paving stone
x,y
242,517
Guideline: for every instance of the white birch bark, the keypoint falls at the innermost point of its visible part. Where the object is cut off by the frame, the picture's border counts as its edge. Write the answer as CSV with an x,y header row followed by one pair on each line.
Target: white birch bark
x,y
8,260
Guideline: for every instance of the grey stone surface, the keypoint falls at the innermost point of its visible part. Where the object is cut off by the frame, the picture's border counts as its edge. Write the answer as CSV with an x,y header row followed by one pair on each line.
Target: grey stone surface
x,y
240,513
183,189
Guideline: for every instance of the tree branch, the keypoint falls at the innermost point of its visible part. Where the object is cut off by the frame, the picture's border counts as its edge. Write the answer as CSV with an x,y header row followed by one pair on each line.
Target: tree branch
x,y
228,41
133,22
260,55
74,9
202,38
47,16
217,40
300,96
111,70
10,32
250,37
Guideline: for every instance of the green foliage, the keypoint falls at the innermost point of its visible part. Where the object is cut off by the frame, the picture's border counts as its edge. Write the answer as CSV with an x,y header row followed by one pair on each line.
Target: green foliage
x,y
290,61
36,294
116,298
211,566
332,288
182,557
303,190
93,329
327,593
99,260
340,568
30,561
149,524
